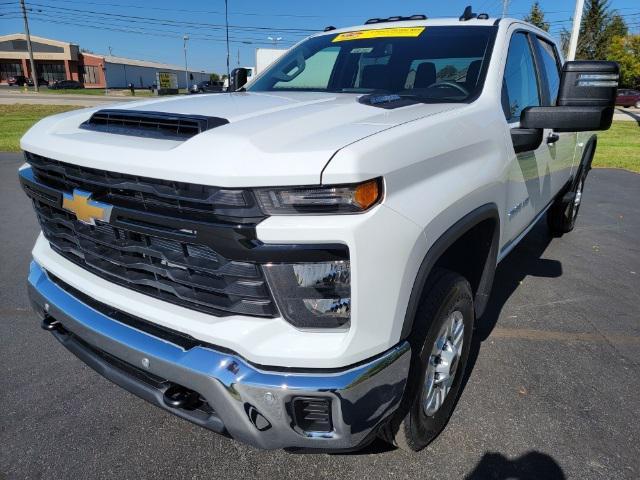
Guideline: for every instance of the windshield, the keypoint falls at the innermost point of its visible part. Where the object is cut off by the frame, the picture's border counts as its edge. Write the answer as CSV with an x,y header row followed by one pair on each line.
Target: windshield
x,y
439,64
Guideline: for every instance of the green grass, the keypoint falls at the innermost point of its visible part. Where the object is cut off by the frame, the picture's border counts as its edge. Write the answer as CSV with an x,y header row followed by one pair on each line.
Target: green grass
x,y
16,120
619,147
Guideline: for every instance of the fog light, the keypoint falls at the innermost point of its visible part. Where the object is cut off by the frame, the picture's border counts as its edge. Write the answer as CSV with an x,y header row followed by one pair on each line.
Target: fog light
x,y
312,295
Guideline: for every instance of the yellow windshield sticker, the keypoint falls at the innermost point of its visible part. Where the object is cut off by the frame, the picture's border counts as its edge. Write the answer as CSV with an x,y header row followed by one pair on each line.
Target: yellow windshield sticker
x,y
380,33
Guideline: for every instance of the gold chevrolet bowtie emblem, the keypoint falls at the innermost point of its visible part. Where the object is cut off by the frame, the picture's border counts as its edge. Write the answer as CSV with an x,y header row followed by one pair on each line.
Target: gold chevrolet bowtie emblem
x,y
85,209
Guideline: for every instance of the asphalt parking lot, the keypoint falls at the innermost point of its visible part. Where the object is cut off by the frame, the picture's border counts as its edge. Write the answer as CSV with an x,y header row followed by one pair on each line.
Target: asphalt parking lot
x,y
553,392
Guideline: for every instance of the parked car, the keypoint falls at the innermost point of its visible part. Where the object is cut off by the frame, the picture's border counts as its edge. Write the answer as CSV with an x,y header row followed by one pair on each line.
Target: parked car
x,y
206,87
301,264
41,81
17,80
628,98
66,84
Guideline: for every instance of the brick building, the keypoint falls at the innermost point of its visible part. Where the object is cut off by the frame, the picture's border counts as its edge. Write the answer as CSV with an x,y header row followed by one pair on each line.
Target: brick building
x,y
56,60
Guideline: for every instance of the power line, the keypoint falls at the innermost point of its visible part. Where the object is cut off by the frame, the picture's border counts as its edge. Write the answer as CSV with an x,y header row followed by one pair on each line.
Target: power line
x,y
213,12
74,17
160,33
176,22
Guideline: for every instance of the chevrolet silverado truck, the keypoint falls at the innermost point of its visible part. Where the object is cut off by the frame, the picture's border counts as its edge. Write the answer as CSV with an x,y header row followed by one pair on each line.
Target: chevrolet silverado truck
x,y
299,263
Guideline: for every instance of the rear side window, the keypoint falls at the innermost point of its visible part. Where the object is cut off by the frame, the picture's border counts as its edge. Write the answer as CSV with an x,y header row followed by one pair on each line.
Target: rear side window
x,y
520,83
550,67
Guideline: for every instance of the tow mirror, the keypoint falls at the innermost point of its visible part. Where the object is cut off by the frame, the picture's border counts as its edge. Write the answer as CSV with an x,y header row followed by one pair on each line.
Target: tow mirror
x,y
239,78
586,99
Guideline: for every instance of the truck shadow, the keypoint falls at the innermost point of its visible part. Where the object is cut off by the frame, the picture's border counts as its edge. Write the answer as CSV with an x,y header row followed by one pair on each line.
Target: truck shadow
x,y
525,260
530,466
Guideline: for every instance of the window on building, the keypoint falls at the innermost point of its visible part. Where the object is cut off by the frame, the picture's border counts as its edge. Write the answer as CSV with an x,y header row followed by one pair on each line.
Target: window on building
x,y
52,72
90,74
9,69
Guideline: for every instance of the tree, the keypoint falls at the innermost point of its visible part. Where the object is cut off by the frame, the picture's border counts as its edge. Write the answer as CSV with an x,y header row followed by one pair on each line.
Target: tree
x,y
536,17
626,51
617,27
214,77
592,44
599,26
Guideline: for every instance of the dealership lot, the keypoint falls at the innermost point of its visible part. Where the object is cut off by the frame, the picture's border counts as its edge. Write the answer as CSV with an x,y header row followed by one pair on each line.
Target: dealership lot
x,y
553,391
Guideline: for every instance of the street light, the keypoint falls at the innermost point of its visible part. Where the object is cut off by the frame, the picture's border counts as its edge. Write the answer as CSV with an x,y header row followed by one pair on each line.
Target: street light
x,y
275,40
186,69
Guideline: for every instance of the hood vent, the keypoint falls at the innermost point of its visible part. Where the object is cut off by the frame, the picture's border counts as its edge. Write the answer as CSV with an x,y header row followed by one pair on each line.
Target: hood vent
x,y
137,123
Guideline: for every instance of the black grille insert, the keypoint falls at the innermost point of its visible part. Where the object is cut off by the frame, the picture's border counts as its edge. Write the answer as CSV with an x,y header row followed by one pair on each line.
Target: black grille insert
x,y
170,126
165,197
187,274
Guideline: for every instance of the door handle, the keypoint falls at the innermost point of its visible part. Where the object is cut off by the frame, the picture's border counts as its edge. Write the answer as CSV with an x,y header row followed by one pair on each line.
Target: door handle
x,y
553,138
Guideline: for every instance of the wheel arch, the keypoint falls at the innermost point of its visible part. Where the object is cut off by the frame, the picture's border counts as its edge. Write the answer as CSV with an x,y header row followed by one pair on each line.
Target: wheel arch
x,y
588,153
451,249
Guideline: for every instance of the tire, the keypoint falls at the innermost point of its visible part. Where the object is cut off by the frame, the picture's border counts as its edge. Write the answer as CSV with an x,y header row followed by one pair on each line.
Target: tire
x,y
562,216
447,301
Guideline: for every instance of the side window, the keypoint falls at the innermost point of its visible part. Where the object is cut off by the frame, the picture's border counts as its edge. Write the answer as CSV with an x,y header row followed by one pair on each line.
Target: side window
x,y
551,68
520,82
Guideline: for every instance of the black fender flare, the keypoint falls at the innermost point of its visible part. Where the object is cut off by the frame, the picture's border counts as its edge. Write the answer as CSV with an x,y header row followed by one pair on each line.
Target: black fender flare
x,y
587,157
488,211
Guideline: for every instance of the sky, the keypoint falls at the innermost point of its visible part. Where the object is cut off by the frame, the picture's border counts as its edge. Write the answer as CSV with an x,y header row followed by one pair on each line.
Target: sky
x,y
154,30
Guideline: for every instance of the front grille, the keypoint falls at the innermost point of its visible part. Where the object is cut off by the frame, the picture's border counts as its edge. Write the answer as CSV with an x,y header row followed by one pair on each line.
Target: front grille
x,y
182,200
180,272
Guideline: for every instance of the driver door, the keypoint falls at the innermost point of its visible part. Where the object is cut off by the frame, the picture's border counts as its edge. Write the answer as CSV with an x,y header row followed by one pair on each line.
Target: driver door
x,y
528,177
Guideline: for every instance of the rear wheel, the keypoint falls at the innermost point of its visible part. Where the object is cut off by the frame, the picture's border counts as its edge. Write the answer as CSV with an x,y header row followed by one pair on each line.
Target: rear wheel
x,y
562,215
446,313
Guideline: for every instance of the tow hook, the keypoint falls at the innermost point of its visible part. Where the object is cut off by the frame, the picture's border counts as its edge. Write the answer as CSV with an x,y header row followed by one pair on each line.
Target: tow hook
x,y
180,397
50,324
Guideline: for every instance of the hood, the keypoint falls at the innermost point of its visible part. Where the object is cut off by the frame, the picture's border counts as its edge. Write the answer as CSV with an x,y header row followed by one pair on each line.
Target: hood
x,y
272,138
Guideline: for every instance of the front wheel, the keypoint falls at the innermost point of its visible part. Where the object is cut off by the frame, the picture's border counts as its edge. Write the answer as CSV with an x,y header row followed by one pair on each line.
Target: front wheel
x,y
438,370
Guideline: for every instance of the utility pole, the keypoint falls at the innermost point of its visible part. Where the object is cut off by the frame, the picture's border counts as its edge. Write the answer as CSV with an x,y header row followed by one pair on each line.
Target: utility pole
x,y
505,8
238,56
575,31
226,22
34,74
186,68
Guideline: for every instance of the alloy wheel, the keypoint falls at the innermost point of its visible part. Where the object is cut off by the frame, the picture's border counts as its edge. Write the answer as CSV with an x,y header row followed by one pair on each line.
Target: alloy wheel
x,y
443,363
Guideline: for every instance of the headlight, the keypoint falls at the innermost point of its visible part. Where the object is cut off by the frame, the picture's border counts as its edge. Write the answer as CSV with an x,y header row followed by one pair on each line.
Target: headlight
x,y
312,295
320,200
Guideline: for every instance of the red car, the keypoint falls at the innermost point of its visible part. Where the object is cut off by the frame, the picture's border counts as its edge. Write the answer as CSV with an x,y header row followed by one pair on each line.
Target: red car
x,y
19,80
628,98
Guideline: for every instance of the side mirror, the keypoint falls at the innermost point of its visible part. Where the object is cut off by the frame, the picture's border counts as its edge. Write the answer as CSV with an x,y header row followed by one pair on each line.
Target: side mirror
x,y
238,79
586,99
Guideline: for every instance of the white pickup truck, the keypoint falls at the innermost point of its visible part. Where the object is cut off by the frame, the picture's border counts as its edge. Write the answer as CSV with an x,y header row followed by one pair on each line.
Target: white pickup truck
x,y
299,263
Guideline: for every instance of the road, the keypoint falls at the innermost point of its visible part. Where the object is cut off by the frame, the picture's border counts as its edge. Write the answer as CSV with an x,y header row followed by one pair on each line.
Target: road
x,y
553,390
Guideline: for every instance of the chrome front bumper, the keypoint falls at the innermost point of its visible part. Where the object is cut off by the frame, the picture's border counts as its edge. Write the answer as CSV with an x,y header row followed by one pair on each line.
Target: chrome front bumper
x,y
251,404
